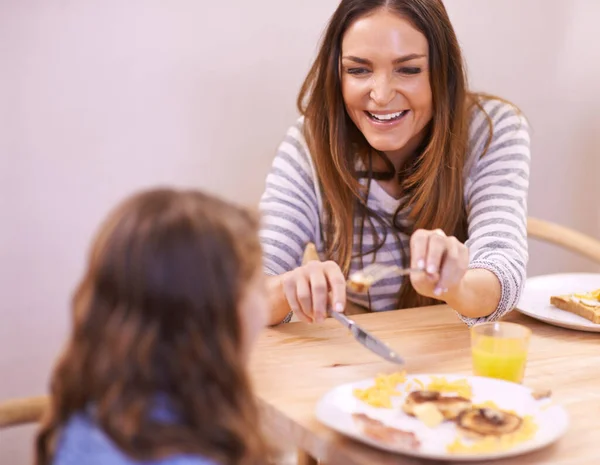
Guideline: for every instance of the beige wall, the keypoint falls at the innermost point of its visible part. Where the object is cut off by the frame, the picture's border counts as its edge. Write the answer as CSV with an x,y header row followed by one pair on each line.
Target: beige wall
x,y
99,98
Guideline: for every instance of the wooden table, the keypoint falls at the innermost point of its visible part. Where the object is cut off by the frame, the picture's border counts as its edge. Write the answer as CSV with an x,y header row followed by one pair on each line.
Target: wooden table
x,y
295,364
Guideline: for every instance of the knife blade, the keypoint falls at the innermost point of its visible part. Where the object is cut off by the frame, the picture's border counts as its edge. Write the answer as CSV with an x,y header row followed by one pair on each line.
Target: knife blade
x,y
369,341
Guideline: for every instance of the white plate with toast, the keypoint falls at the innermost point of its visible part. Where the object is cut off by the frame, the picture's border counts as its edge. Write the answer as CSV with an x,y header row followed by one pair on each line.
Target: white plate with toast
x,y
392,428
539,291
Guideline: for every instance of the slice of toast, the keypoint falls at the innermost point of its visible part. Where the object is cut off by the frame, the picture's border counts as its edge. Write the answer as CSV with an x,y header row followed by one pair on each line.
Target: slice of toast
x,y
564,302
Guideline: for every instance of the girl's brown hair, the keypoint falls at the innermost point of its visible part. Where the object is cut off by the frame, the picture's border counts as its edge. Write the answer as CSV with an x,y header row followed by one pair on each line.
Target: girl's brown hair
x,y
433,180
156,324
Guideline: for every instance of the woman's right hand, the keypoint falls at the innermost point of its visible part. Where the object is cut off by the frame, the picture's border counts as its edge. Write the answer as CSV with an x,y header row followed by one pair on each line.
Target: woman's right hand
x,y
314,287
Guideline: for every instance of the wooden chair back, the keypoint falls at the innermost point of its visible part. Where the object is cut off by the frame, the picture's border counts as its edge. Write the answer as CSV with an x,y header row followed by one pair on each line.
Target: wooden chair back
x,y
15,412
564,237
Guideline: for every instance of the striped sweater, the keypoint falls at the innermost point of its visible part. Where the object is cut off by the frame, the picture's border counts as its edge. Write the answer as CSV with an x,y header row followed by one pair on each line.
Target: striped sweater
x,y
495,193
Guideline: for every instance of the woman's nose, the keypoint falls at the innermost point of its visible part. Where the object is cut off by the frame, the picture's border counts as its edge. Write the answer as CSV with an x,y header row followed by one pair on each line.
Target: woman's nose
x,y
382,92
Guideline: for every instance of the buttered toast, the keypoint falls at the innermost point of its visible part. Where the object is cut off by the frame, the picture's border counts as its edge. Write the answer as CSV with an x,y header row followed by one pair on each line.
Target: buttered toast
x,y
585,305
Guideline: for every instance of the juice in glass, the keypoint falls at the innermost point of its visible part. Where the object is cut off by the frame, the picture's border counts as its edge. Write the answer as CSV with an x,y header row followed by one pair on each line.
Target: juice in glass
x,y
499,350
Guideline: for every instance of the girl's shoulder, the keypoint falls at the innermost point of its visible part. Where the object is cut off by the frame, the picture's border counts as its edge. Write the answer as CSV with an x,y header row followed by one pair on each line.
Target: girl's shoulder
x,y
83,441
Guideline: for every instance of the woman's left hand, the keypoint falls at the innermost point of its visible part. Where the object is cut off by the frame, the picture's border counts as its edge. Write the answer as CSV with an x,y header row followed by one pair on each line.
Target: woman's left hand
x,y
444,258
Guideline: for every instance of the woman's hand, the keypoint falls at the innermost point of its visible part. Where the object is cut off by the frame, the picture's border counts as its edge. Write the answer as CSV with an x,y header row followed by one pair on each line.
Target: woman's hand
x,y
312,288
444,258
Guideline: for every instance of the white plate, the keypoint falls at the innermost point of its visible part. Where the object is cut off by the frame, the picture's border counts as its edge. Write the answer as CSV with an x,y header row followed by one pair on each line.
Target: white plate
x,y
535,300
335,410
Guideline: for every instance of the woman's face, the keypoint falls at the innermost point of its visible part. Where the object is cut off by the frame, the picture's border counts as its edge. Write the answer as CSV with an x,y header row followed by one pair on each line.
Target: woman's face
x,y
385,81
254,309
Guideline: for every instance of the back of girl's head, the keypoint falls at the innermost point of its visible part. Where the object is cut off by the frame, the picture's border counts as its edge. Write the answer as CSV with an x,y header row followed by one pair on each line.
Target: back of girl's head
x,y
157,324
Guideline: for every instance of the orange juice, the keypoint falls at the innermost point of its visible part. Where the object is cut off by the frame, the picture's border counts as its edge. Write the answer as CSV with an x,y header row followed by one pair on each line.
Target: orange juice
x,y
503,358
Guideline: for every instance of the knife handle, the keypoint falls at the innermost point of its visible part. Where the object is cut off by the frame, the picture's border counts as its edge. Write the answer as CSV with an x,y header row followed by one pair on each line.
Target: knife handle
x,y
343,319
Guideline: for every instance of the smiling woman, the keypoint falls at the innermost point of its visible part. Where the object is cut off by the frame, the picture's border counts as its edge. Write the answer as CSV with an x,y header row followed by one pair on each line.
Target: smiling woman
x,y
394,161
378,67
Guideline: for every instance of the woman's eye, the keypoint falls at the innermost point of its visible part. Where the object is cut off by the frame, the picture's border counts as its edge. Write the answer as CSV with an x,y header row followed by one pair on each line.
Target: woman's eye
x,y
357,71
409,70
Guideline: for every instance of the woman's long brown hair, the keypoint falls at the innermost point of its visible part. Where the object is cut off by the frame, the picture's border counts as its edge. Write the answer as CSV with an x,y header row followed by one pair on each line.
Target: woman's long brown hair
x,y
156,325
433,181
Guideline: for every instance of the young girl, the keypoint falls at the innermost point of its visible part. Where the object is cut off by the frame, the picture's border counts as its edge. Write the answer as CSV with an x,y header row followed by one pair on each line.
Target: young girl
x,y
396,162
164,320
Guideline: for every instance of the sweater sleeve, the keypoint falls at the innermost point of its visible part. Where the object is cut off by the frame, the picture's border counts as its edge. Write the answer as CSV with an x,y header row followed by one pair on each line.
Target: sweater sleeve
x,y
496,199
289,206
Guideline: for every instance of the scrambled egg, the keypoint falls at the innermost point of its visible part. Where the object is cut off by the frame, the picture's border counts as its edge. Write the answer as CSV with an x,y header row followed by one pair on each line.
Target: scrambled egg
x,y
381,393
386,386
460,387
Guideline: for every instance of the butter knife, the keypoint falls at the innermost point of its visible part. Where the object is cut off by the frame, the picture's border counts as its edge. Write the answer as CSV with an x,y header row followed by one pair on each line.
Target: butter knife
x,y
369,341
